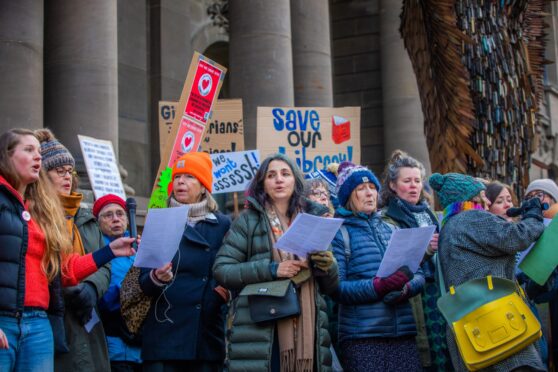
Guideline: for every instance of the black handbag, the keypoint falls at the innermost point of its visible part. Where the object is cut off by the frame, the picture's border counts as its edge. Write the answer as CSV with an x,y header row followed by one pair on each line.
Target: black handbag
x,y
271,301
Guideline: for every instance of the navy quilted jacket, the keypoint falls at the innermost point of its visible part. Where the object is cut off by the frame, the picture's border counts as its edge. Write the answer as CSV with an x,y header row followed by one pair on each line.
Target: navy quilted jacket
x,y
361,313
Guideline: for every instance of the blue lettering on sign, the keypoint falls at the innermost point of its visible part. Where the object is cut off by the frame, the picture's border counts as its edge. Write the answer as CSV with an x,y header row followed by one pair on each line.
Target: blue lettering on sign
x,y
309,164
295,119
229,167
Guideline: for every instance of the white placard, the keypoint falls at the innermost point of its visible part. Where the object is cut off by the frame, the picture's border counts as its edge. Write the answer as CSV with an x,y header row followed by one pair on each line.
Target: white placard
x,y
233,171
309,233
406,248
101,166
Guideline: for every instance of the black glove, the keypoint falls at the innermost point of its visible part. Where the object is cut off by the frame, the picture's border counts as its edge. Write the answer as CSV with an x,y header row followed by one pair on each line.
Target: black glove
x,y
81,299
531,208
395,297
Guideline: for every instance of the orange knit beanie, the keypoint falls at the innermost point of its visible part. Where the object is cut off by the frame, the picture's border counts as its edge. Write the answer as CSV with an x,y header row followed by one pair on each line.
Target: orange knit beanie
x,y
198,164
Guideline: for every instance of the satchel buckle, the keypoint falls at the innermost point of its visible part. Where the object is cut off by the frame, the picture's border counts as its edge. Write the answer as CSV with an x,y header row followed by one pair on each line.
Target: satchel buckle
x,y
272,311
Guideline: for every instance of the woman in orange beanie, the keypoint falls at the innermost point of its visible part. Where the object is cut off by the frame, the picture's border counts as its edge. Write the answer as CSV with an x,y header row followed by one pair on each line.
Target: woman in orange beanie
x,y
190,321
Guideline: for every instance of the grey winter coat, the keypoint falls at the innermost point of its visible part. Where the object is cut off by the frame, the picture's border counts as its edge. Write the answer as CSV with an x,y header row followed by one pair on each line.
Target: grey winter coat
x,y
250,345
476,243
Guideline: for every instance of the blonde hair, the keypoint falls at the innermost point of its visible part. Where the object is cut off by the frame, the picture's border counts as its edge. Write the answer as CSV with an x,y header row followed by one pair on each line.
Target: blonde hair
x,y
212,205
44,204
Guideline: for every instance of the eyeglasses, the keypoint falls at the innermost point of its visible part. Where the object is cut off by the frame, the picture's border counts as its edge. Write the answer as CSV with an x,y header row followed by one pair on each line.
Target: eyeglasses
x,y
535,194
110,215
61,172
319,193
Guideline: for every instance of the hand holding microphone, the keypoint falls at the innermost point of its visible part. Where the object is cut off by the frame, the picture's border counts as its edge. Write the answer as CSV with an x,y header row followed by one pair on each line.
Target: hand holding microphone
x,y
531,208
131,207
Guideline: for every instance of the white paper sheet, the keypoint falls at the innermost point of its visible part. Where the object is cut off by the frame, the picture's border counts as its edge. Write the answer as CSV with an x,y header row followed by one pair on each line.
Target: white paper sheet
x,y
406,248
92,322
309,233
161,236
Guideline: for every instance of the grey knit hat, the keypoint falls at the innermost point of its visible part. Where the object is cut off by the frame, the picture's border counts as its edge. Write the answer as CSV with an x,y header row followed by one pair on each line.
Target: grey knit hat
x,y
54,153
545,184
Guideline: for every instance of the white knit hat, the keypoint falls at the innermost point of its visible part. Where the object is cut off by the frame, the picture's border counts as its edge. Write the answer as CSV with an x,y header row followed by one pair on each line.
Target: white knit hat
x,y
547,185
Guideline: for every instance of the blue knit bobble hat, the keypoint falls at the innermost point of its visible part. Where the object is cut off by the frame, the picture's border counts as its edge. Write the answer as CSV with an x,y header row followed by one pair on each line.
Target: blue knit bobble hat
x,y
455,187
53,153
349,177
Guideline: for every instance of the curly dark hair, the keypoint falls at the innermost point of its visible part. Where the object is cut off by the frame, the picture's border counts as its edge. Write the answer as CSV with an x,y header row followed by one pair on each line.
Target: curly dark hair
x,y
256,187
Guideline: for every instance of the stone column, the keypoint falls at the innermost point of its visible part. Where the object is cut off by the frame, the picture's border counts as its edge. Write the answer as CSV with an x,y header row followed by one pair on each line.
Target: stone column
x,y
21,66
81,81
311,53
261,70
403,118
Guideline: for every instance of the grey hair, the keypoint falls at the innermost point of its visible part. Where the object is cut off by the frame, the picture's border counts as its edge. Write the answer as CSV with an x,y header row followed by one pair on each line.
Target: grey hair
x,y
399,159
311,184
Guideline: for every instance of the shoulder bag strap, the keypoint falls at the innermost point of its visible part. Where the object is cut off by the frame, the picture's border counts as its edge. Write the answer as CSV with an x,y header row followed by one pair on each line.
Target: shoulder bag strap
x,y
441,282
347,242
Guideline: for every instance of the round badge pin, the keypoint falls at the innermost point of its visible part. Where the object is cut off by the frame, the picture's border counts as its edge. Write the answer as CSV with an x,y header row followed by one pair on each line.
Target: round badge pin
x,y
26,216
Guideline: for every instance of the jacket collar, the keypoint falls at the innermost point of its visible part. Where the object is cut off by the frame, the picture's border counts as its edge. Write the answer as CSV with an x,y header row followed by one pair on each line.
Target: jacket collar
x,y
396,213
11,190
345,213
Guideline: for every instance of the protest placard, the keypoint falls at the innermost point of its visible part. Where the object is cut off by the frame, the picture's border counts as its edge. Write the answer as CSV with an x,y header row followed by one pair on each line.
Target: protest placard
x,y
201,88
233,171
313,136
101,166
167,113
224,132
542,259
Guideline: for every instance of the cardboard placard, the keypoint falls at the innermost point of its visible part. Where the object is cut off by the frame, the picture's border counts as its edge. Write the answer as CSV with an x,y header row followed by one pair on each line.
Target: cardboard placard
x,y
233,171
201,88
224,132
313,136
101,166
167,113
204,91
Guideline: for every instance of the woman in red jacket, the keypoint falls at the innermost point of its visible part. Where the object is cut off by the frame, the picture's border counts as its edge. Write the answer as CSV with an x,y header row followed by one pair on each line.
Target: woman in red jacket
x,y
35,249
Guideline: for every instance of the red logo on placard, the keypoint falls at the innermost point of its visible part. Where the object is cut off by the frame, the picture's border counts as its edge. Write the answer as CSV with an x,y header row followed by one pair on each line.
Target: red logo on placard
x,y
187,141
340,129
205,84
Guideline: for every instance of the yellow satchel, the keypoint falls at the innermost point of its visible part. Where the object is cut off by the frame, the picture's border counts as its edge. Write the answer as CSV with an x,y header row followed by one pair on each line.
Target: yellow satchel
x,y
490,320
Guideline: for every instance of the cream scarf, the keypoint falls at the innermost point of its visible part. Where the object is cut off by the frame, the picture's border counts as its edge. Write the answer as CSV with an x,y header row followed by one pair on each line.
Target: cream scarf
x,y
296,335
197,212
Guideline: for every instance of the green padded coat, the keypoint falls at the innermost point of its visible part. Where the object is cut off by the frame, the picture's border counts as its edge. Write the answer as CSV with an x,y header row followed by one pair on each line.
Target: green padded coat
x,y
249,345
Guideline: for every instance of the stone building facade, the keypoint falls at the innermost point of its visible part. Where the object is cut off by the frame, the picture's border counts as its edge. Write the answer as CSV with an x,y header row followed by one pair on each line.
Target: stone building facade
x,y
99,68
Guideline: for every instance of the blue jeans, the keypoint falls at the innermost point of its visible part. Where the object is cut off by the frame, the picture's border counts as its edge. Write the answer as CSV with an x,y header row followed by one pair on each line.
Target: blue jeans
x,y
31,344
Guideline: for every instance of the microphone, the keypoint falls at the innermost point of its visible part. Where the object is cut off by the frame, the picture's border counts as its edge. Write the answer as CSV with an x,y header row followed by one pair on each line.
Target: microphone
x,y
131,207
514,212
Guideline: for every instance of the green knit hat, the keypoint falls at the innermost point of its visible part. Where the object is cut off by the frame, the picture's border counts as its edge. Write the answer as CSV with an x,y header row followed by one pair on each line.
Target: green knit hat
x,y
455,187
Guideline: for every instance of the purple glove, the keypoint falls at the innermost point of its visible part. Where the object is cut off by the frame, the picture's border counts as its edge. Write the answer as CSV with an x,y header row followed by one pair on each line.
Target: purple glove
x,y
394,282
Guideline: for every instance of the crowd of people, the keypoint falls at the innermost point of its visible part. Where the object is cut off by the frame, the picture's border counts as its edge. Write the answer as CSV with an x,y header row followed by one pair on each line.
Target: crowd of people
x,y
229,300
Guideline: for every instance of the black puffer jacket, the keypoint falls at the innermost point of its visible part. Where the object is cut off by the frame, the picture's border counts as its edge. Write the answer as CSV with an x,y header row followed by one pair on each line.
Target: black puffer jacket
x,y
13,240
